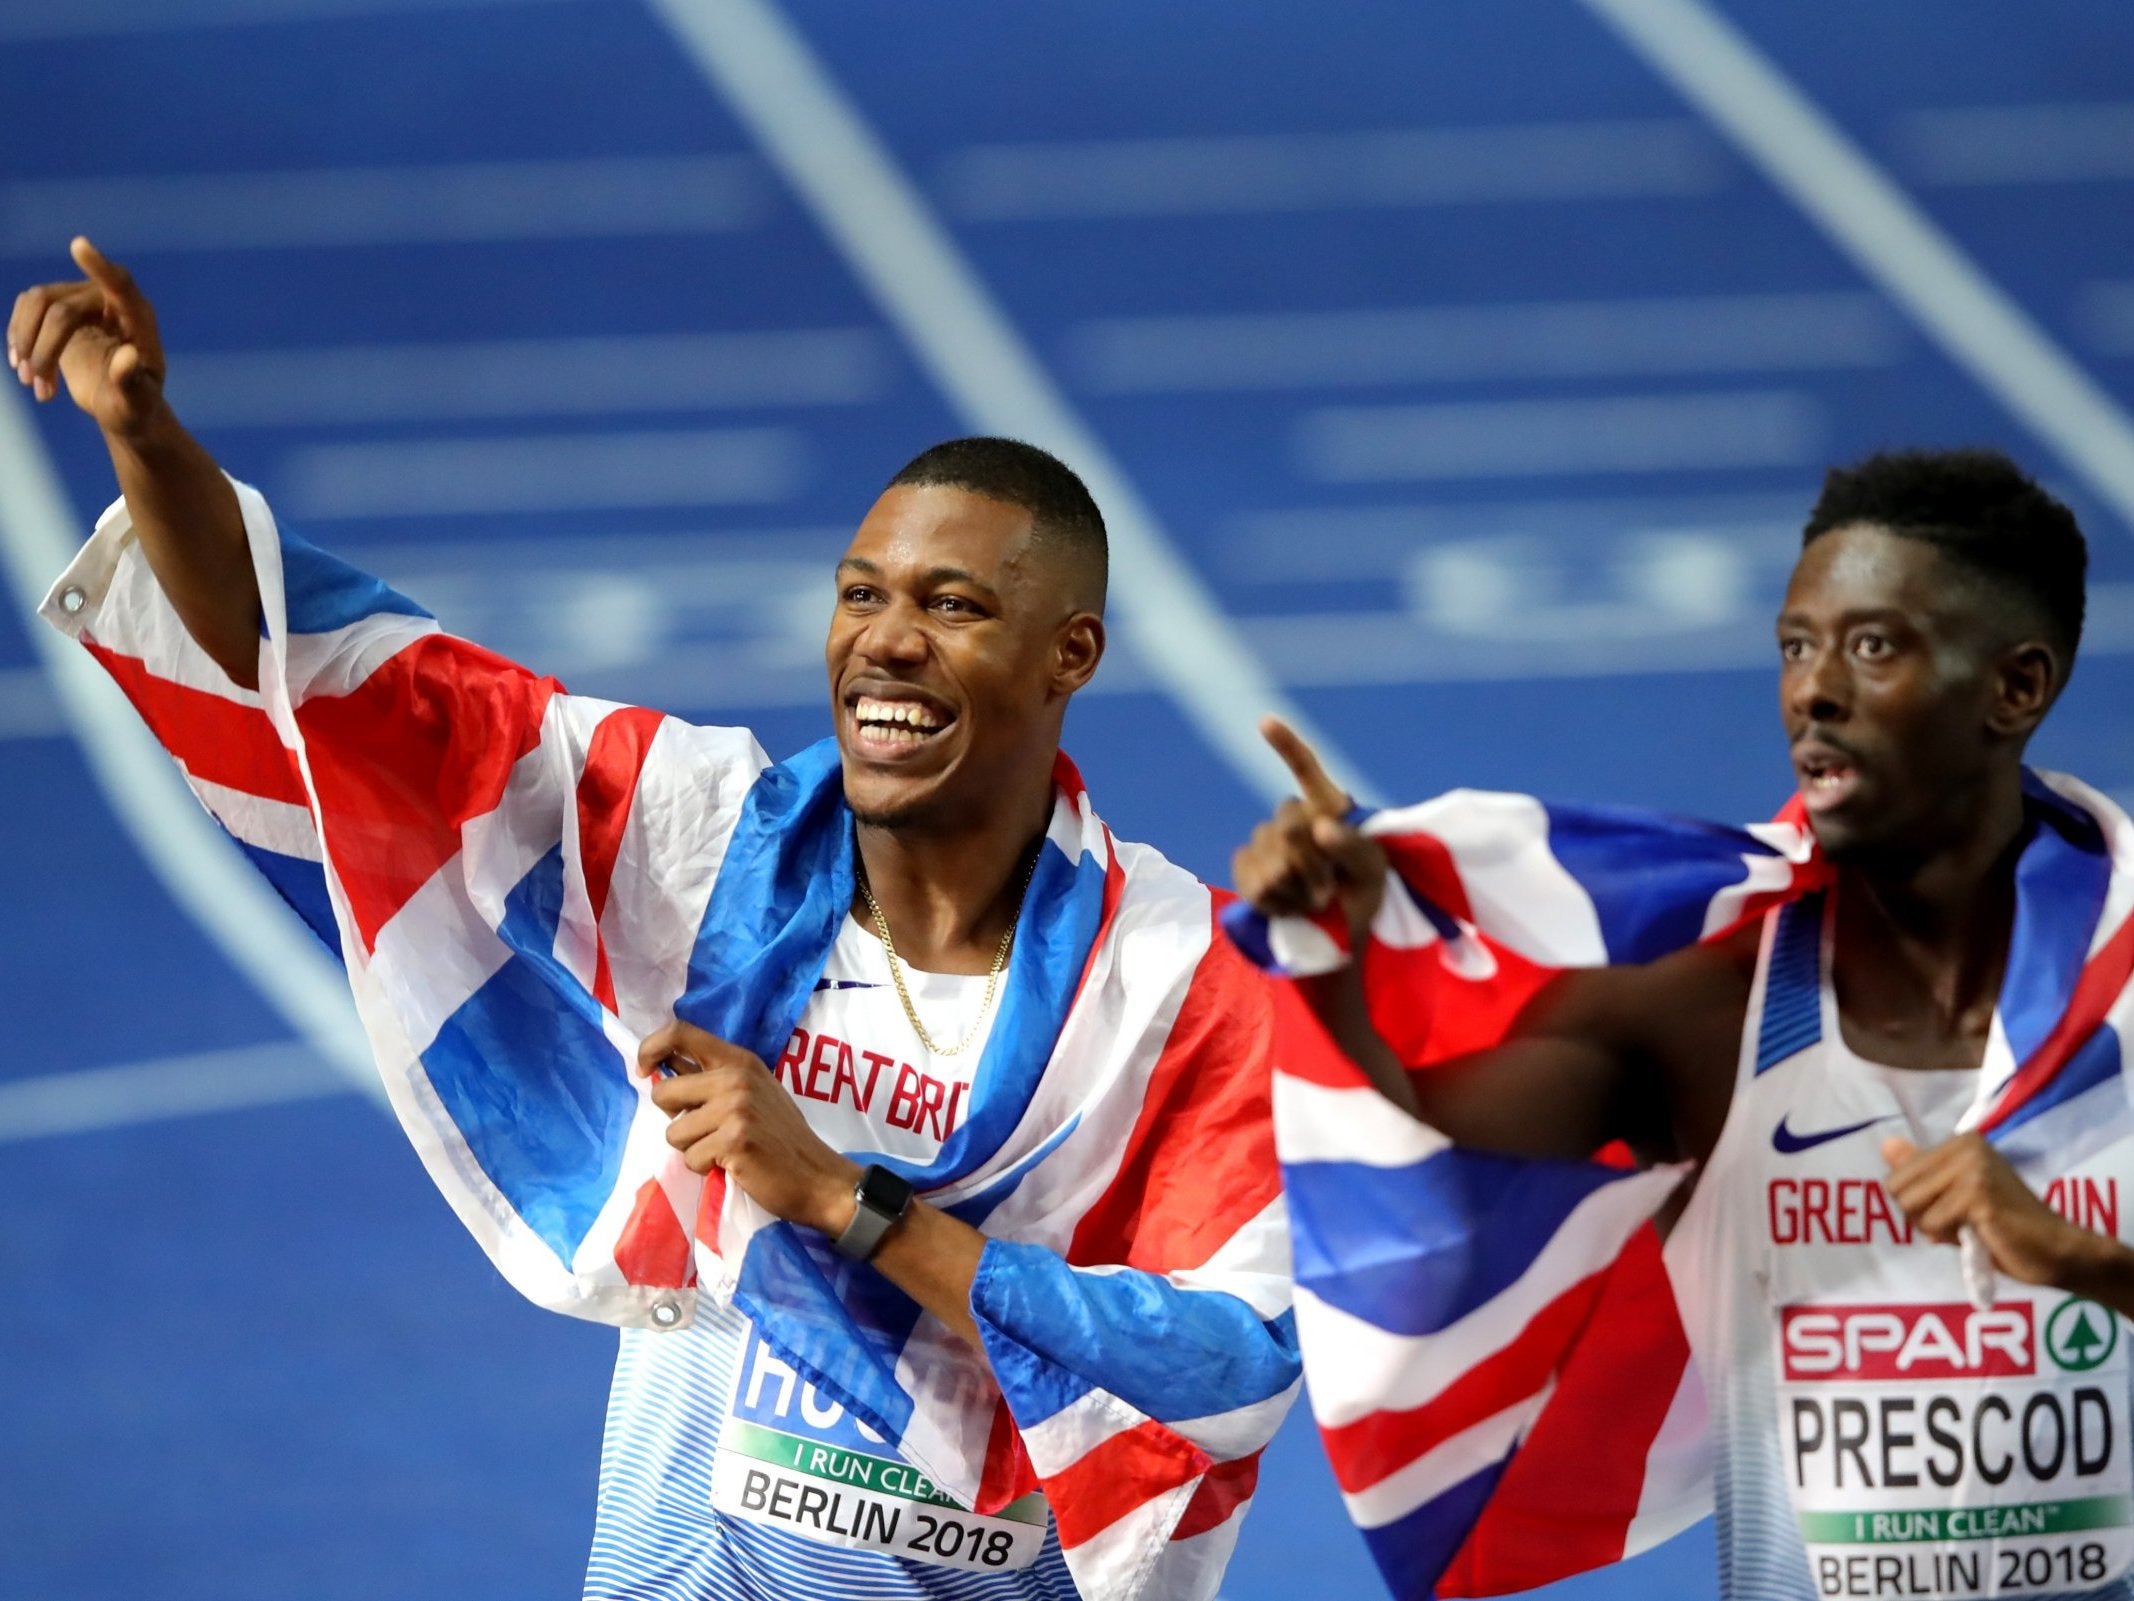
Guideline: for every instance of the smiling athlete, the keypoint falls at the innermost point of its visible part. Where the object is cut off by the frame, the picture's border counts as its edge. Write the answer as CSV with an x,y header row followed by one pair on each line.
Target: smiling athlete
x,y
912,1127
1929,1001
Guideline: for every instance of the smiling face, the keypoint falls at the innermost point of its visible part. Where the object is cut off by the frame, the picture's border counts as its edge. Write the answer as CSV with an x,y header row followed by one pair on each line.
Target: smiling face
x,y
958,636
1904,697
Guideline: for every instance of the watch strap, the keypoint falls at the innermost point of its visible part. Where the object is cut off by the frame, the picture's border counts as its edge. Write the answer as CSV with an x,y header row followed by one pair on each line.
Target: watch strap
x,y
880,1198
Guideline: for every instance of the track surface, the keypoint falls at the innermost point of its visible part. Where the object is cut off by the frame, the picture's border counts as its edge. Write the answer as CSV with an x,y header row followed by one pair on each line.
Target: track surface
x,y
1478,379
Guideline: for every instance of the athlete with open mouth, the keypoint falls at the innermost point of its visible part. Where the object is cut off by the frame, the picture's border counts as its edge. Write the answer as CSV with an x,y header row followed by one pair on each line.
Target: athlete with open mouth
x,y
1862,1059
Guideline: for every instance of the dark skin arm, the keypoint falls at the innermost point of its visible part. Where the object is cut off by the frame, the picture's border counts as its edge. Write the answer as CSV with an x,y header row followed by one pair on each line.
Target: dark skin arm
x,y
1645,1054
1639,1053
97,338
729,1111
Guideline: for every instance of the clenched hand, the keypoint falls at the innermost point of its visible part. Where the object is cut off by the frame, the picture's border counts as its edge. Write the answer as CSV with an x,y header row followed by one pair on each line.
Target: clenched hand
x,y
729,1112
1964,1183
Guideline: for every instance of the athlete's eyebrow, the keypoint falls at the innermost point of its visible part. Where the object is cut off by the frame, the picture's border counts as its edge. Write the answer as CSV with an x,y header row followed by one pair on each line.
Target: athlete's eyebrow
x,y
929,578
1847,619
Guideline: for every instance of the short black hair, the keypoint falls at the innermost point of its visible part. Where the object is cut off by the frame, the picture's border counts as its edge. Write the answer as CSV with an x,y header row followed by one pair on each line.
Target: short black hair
x,y
1979,509
1059,503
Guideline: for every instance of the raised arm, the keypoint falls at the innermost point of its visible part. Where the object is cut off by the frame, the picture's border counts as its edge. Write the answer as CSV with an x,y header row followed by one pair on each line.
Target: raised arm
x,y
1578,1069
97,336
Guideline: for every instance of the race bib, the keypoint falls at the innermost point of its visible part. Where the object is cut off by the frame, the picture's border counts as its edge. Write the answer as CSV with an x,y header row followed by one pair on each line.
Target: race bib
x,y
793,1459
1937,1450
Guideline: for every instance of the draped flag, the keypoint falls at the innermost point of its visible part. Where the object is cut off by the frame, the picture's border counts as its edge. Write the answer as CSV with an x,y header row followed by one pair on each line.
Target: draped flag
x,y
523,883
1495,1360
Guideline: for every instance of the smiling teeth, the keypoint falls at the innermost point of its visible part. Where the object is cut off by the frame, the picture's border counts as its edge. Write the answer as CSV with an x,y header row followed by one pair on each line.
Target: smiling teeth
x,y
898,715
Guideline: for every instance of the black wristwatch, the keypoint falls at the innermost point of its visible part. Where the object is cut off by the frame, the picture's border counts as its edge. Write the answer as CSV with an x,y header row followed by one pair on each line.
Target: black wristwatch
x,y
881,1198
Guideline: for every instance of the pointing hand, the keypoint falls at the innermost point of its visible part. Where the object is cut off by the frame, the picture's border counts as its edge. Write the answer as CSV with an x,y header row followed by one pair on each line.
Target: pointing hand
x,y
1308,855
98,336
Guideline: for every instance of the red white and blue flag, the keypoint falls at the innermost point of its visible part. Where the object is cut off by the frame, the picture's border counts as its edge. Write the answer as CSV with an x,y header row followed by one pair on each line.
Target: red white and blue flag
x,y
1491,1343
522,884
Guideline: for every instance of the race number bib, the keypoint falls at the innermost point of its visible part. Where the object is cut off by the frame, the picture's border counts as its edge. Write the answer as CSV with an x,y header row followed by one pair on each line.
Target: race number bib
x,y
1938,1450
793,1459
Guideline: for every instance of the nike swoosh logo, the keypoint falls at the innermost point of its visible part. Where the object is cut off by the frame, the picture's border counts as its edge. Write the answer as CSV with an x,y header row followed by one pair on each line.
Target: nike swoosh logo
x,y
822,984
1787,1143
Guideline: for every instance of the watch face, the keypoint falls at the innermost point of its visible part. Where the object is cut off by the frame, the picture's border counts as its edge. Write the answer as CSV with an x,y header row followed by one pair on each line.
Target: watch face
x,y
882,1198
883,1191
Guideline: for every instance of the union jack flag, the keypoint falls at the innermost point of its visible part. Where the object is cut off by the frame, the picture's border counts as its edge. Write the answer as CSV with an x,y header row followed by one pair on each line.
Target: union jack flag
x,y
1493,1351
523,883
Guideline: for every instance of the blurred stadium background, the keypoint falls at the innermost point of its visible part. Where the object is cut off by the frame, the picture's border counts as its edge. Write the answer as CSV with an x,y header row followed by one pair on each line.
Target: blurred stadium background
x,y
1459,372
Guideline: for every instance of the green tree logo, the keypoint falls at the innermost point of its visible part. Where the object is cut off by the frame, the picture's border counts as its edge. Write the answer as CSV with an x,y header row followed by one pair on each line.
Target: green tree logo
x,y
2080,1335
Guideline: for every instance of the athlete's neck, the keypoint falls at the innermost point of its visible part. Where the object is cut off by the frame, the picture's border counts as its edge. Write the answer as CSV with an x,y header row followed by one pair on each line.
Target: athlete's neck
x,y
1922,942
1938,891
948,897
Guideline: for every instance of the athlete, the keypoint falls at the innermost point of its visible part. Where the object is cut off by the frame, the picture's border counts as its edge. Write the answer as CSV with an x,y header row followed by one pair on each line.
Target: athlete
x,y
1877,1432
897,963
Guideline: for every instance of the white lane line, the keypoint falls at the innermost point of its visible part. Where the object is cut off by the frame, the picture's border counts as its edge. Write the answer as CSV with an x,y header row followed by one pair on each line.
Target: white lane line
x,y
586,377
1371,544
2071,142
962,337
1810,159
612,197
1547,438
90,19
198,1082
542,473
1508,340
211,883
1397,167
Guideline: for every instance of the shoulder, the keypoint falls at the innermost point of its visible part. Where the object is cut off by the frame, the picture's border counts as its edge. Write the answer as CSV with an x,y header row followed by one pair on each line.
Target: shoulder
x,y
678,778
1156,890
692,753
1168,922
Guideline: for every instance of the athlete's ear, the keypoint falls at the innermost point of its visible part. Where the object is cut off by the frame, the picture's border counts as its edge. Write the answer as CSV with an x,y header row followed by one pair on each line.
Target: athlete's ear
x,y
1076,650
2026,680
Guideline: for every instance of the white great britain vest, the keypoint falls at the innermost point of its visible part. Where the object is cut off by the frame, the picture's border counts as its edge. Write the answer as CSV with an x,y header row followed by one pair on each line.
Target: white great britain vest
x,y
1875,1433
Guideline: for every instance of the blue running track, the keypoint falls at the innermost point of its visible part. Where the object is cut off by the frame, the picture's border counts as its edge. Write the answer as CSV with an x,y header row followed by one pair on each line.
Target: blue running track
x,y
1459,371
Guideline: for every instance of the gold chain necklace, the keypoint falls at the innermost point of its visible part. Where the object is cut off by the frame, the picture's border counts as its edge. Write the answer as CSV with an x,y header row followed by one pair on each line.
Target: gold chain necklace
x,y
992,978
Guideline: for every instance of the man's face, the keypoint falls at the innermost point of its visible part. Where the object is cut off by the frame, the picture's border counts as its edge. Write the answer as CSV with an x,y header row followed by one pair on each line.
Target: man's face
x,y
1887,684
951,652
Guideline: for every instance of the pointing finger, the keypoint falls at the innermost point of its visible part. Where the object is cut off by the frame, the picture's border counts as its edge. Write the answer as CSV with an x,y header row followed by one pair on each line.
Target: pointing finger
x,y
1320,792
121,297
107,274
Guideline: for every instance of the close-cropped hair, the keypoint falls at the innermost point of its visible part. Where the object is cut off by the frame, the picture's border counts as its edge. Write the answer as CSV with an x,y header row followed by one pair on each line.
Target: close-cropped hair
x,y
1982,511
1059,503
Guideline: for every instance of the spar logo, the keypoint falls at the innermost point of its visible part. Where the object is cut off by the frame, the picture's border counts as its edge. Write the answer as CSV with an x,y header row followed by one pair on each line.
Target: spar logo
x,y
1940,1340
2080,1335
